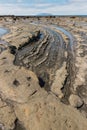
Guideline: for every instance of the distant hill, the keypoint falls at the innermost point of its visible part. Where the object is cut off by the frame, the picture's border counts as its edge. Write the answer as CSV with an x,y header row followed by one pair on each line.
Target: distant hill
x,y
44,14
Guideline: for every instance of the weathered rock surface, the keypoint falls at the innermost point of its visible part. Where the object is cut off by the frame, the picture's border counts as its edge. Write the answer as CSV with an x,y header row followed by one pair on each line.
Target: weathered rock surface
x,y
16,81
7,116
44,111
59,81
32,105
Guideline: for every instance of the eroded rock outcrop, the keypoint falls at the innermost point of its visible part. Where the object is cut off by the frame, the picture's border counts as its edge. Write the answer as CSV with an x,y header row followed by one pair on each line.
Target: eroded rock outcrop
x,y
22,99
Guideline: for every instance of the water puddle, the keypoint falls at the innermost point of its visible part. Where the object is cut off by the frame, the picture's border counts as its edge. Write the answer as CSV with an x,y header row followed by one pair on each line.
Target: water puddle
x,y
3,31
3,44
68,34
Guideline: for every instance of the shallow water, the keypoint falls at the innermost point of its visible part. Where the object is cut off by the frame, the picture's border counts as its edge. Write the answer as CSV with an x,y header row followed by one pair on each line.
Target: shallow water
x,y
3,44
3,31
67,33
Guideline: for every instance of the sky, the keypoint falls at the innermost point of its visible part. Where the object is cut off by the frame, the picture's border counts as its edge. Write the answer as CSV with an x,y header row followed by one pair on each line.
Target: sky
x,y
35,7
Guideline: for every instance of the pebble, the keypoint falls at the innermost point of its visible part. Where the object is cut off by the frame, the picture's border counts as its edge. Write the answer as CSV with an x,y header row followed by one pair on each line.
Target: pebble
x,y
75,101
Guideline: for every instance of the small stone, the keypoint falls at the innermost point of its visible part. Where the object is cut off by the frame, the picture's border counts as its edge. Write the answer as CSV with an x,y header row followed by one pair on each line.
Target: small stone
x,y
75,101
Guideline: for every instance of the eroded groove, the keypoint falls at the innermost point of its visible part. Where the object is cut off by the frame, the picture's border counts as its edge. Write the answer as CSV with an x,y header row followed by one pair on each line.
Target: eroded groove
x,y
69,80
18,125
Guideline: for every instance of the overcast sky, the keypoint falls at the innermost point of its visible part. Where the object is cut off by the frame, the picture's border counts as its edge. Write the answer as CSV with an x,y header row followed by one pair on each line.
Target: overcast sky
x,y
34,7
